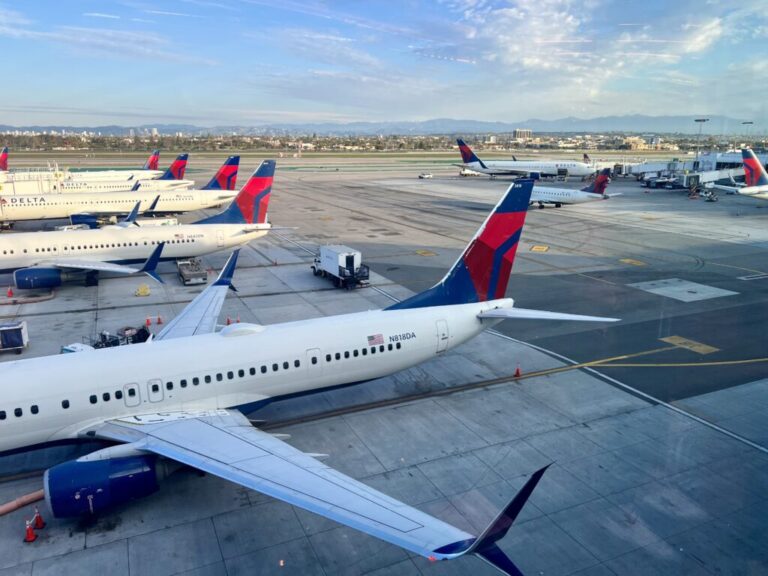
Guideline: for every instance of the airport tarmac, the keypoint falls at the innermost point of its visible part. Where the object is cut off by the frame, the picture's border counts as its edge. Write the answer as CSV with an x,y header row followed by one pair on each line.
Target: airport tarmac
x,y
638,486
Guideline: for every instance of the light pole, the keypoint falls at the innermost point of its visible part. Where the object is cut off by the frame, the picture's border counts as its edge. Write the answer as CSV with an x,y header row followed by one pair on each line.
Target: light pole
x,y
700,122
746,131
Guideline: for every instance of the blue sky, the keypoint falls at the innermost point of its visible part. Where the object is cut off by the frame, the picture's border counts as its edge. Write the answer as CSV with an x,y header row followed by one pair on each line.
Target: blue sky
x,y
208,62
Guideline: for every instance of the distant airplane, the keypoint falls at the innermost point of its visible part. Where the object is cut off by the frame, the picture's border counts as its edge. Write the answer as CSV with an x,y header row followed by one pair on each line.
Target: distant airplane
x,y
526,168
54,181
148,171
558,196
755,177
47,259
89,208
179,395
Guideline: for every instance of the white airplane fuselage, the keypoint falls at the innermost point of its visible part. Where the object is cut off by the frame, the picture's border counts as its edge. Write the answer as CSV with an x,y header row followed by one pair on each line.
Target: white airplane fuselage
x,y
81,186
547,195
760,192
15,208
241,365
546,168
90,175
122,245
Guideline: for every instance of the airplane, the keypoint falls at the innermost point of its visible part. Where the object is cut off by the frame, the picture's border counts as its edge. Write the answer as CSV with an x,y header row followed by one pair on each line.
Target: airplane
x,y
148,171
755,177
558,196
47,259
525,168
89,208
180,398
94,181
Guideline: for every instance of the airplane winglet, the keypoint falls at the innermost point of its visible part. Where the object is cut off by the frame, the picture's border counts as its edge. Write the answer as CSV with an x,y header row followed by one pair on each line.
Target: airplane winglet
x,y
150,265
136,186
153,205
131,218
226,274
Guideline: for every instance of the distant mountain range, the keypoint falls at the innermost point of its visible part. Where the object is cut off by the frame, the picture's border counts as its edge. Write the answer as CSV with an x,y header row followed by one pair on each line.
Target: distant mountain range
x,y
633,123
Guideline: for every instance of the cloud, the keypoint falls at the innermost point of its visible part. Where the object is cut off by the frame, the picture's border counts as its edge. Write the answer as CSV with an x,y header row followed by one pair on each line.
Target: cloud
x,y
169,13
322,47
101,15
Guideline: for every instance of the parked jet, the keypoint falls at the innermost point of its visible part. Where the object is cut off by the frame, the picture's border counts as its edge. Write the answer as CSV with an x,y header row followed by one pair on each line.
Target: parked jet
x,y
148,171
91,182
89,208
178,396
46,259
558,196
755,177
526,168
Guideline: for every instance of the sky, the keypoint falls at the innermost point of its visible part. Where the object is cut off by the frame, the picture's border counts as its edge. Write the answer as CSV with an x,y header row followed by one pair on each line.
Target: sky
x,y
251,62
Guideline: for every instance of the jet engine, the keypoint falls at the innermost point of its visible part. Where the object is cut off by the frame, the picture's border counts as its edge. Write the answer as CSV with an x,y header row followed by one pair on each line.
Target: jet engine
x,y
28,278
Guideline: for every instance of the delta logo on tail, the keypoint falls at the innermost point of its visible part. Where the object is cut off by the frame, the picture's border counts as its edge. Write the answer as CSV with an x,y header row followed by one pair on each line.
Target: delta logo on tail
x,y
176,170
153,161
600,183
482,272
251,203
4,159
754,171
467,155
226,177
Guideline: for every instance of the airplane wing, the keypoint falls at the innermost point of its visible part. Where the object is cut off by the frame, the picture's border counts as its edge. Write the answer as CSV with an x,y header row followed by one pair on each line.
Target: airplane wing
x,y
99,266
200,315
224,443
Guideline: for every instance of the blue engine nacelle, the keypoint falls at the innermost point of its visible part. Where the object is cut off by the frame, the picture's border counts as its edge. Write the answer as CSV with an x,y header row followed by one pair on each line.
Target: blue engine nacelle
x,y
85,488
37,278
89,219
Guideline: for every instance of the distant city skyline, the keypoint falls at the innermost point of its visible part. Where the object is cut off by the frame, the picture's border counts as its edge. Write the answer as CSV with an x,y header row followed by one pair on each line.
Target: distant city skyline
x,y
253,62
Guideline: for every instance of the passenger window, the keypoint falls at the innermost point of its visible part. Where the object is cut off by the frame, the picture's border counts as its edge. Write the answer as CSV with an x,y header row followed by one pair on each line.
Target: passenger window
x,y
34,409
365,351
230,375
195,381
355,353
327,357
338,356
252,371
314,359
65,404
241,373
373,349
183,383
219,377
274,367
346,354
169,385
207,379
296,363
398,346
155,388
17,412
93,399
263,369
131,392
2,414
285,365
118,394
381,348
389,346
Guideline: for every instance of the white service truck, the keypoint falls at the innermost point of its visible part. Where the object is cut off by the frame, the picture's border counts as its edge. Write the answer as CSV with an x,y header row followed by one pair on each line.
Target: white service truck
x,y
342,265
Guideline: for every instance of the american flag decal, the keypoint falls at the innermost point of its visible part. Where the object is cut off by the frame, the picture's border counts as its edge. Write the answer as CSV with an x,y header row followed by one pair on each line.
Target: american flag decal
x,y
375,340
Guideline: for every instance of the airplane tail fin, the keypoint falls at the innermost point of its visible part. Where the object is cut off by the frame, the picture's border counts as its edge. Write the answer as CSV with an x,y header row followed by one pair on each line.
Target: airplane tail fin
x,y
226,177
600,183
176,170
467,155
754,171
4,159
153,161
250,204
482,271
586,158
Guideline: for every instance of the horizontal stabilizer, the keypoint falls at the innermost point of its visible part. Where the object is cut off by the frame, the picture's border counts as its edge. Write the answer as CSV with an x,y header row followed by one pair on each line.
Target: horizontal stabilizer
x,y
526,314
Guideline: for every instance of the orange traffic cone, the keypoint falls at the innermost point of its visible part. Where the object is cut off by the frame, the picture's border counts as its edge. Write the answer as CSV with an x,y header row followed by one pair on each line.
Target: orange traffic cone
x,y
148,322
518,373
29,535
159,320
37,519
229,321
10,292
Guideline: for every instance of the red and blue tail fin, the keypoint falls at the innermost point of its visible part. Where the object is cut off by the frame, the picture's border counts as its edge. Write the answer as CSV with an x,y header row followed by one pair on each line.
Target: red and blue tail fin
x,y
226,177
754,171
586,159
250,204
482,271
467,156
153,161
176,170
4,159
600,183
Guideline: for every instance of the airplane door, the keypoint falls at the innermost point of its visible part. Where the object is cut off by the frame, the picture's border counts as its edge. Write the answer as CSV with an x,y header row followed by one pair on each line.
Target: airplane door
x,y
131,394
442,335
155,390
220,237
313,358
